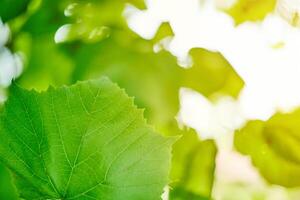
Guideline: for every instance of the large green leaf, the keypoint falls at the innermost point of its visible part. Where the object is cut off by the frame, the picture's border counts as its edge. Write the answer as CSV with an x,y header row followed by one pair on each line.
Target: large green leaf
x,y
7,191
251,10
86,141
193,167
274,147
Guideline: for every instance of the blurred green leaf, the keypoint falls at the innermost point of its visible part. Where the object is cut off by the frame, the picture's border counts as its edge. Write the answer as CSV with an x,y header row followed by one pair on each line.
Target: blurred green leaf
x,y
283,135
251,10
46,64
137,3
7,190
46,18
86,23
211,74
85,141
193,166
10,9
274,147
179,193
165,30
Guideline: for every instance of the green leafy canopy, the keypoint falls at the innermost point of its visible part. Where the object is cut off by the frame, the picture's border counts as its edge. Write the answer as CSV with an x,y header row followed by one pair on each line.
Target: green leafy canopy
x,y
86,141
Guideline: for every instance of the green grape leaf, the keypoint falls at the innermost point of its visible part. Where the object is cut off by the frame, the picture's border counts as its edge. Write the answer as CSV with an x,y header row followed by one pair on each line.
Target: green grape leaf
x,y
251,10
10,9
7,190
274,147
86,141
193,166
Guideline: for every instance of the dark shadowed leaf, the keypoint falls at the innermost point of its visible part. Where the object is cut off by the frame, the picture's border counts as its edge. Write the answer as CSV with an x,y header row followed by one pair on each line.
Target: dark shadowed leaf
x,y
10,9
